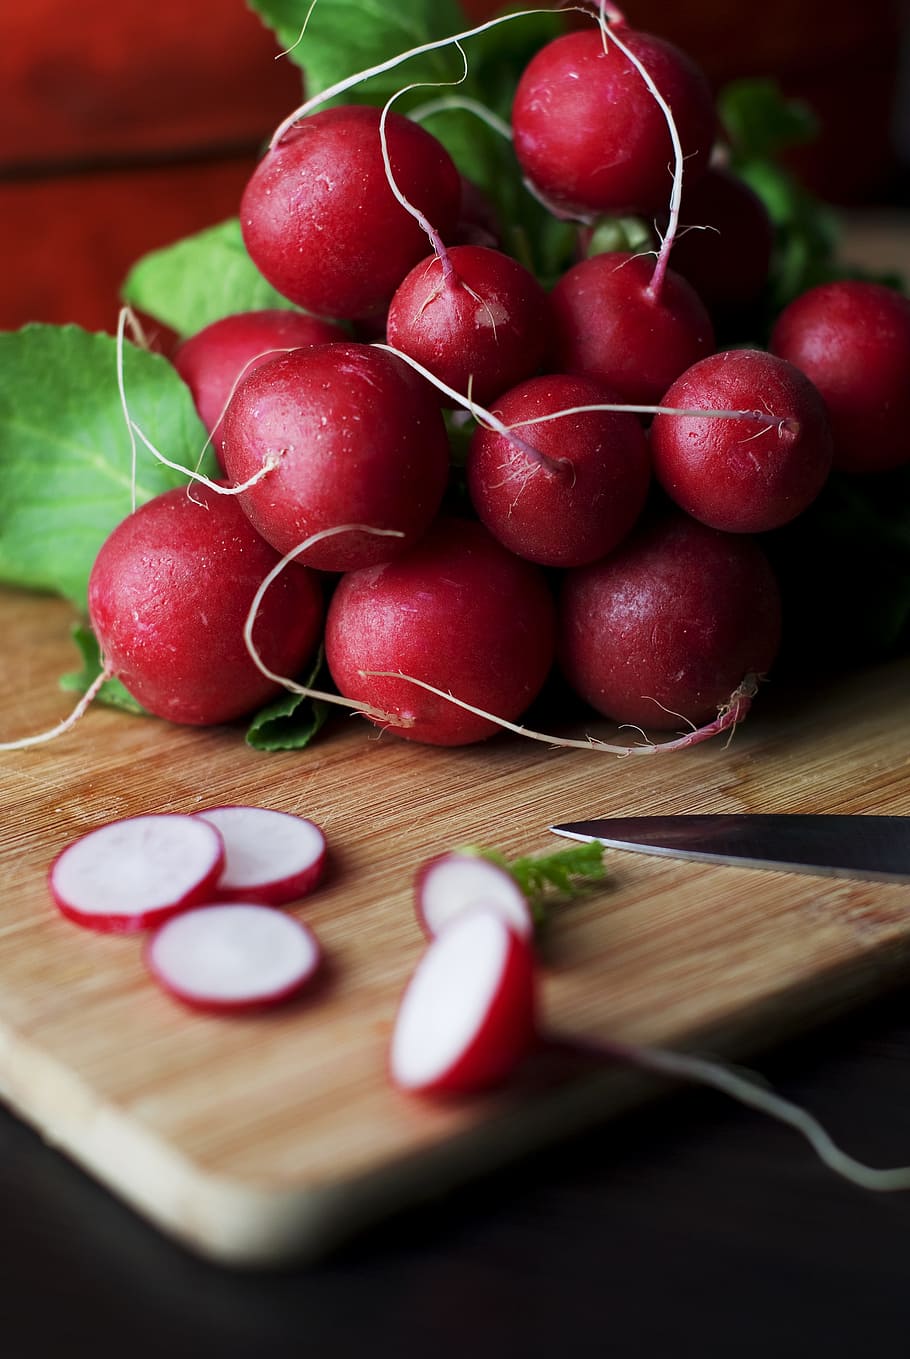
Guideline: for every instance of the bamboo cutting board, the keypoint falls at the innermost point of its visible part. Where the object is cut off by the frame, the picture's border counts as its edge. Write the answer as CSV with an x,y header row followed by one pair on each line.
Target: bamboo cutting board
x,y
261,1139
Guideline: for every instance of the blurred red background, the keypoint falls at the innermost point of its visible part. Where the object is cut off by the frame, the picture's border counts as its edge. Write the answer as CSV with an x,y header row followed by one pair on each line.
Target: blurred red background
x,y
124,127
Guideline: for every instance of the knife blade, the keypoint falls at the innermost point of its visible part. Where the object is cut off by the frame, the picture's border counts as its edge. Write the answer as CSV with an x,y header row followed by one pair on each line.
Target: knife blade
x,y
840,846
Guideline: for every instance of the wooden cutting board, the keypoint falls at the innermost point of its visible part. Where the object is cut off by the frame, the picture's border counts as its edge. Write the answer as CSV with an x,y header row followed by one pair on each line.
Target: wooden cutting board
x,y
261,1139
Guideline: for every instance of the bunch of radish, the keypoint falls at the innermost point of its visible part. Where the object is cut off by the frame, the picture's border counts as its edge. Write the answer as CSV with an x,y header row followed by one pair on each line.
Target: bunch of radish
x,y
607,519
208,887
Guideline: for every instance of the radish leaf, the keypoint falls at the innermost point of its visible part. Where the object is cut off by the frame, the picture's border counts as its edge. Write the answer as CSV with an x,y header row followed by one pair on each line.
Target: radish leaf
x,y
291,721
348,36
200,279
546,876
66,451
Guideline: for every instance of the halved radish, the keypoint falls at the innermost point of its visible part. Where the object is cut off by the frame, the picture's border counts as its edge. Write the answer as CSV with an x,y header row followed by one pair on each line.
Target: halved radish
x,y
131,874
233,956
451,883
270,856
467,1016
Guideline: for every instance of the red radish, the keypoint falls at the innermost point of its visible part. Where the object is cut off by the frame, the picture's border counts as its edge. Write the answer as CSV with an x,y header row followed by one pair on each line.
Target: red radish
x,y
590,135
168,597
577,508
666,629
467,1016
852,339
610,326
321,221
743,476
458,611
131,874
359,439
270,857
233,956
212,361
478,320
452,883
725,242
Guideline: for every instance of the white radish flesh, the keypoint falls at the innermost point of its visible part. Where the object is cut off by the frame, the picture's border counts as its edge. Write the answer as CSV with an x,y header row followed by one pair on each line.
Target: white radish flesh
x,y
233,956
467,1016
451,883
270,857
134,873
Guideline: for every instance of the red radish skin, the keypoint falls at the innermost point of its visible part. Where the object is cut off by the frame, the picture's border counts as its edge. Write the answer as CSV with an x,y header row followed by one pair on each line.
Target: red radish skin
x,y
458,611
725,241
588,132
587,500
359,439
480,321
852,339
666,629
467,1017
610,327
270,857
168,597
212,361
743,476
454,882
233,957
321,222
132,874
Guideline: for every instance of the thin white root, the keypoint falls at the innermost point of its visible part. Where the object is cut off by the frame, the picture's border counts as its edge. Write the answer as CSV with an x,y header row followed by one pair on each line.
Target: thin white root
x,y
448,102
268,466
480,413
702,1071
61,728
490,421
728,715
125,315
666,244
420,218
781,422
349,82
286,52
367,709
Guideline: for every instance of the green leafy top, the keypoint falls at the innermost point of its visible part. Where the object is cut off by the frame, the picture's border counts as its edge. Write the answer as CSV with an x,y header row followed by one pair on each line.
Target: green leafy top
x,y
346,36
199,280
549,877
66,454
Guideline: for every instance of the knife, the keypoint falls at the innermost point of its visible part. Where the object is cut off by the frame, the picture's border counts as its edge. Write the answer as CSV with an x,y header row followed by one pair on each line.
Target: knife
x,y
873,847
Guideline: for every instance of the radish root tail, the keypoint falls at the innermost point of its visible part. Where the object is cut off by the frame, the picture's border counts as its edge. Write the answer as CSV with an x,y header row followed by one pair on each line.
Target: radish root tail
x,y
85,702
732,711
746,1091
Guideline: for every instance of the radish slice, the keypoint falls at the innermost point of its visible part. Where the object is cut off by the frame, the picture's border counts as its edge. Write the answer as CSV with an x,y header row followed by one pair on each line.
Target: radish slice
x,y
467,1016
450,883
233,956
270,857
134,873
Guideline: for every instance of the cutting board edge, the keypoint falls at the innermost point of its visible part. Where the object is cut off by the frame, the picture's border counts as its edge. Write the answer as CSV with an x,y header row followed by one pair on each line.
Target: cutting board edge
x,y
245,1226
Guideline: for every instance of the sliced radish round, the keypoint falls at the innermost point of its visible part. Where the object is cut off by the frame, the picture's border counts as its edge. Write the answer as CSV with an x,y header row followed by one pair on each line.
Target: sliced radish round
x,y
467,1016
233,956
453,882
270,856
134,873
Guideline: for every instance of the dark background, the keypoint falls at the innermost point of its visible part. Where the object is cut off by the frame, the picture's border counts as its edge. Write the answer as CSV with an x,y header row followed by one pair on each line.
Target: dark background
x,y
691,1228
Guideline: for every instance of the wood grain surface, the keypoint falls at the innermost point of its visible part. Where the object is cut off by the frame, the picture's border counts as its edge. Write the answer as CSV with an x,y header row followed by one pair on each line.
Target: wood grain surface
x,y
262,1138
